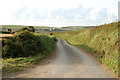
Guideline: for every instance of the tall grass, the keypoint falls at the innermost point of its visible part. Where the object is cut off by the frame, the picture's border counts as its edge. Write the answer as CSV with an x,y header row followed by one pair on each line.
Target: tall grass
x,y
102,40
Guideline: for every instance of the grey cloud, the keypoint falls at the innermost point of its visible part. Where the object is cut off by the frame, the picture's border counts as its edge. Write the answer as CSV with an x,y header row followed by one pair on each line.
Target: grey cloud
x,y
78,15
102,15
70,14
101,18
114,17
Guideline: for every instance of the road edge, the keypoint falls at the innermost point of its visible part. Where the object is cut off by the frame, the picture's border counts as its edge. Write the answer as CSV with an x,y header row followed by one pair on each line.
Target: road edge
x,y
42,62
96,58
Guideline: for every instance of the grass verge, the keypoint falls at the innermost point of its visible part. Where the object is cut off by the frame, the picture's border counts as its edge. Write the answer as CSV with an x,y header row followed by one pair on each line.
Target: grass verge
x,y
101,40
12,65
24,50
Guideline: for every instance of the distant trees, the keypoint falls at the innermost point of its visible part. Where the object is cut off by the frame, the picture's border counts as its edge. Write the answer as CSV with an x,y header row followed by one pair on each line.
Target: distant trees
x,y
29,28
23,29
6,30
10,30
51,34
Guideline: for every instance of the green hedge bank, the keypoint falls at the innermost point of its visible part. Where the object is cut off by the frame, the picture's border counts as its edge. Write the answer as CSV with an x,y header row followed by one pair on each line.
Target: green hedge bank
x,y
101,40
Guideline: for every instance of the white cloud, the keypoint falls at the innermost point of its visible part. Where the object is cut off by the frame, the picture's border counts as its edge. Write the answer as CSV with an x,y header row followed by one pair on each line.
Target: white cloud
x,y
58,12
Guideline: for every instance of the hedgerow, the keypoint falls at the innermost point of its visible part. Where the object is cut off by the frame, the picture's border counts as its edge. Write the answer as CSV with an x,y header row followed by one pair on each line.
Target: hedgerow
x,y
26,44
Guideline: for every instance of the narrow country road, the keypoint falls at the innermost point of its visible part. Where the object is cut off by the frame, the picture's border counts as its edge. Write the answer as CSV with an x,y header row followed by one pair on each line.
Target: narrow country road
x,y
69,62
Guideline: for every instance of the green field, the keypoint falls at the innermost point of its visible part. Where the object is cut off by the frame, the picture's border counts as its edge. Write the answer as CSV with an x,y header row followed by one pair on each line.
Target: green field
x,y
17,27
101,40
13,27
75,28
69,28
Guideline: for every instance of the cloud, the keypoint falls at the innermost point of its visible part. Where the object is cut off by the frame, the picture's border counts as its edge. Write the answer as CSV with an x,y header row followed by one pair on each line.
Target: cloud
x,y
101,17
58,12
20,12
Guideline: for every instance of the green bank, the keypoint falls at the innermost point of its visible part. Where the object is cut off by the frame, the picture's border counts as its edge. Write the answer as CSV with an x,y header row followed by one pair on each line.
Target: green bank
x,y
101,40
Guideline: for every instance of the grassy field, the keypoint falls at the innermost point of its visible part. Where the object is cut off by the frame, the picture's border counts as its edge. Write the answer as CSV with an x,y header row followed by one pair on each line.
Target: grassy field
x,y
75,28
101,40
18,27
69,28
13,27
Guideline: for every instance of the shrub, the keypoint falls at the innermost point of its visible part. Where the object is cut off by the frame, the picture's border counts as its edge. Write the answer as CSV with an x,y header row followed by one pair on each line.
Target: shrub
x,y
54,38
29,28
5,32
26,44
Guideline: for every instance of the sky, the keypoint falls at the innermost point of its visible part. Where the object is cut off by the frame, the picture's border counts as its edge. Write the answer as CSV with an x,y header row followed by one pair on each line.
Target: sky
x,y
58,13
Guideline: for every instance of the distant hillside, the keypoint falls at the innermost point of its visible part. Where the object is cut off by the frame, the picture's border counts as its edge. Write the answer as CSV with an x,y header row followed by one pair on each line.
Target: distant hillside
x,y
18,27
76,28
13,27
46,28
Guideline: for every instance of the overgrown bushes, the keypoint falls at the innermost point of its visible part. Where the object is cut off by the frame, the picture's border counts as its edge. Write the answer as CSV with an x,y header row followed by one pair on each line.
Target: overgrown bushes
x,y
26,44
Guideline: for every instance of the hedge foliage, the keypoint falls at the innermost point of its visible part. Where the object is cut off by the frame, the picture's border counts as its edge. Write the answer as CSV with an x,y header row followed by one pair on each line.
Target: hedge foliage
x,y
26,44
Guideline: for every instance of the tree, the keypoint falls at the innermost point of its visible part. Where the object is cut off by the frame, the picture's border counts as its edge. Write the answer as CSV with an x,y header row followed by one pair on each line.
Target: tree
x,y
23,29
31,28
51,34
10,30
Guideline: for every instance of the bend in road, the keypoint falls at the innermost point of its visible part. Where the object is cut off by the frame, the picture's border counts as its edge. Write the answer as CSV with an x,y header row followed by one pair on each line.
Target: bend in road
x,y
69,62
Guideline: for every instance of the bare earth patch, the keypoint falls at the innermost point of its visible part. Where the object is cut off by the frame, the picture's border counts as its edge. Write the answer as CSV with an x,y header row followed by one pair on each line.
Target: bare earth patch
x,y
6,35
